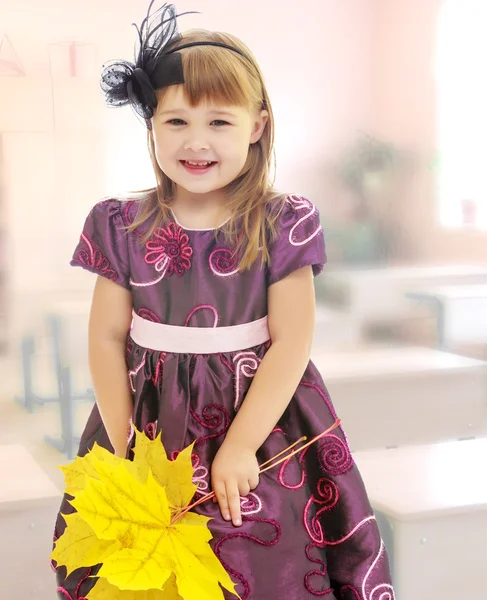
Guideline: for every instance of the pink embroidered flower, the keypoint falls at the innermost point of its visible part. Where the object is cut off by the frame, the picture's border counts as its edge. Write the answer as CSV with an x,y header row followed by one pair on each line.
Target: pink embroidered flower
x,y
169,250
94,259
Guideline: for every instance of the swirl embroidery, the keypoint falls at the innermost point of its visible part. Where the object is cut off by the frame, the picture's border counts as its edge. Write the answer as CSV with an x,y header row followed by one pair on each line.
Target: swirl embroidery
x,y
247,364
326,399
328,495
134,372
243,535
284,468
169,251
157,377
334,456
251,504
203,307
94,259
316,573
302,204
213,417
381,591
200,475
223,262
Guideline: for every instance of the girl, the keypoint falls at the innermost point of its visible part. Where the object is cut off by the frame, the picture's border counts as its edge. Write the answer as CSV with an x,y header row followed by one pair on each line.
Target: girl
x,y
202,321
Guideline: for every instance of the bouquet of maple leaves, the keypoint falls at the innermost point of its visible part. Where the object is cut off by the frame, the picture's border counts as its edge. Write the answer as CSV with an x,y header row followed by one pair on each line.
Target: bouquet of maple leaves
x,y
135,518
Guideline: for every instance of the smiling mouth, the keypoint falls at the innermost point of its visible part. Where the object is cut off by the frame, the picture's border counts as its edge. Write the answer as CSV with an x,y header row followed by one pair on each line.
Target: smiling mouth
x,y
198,166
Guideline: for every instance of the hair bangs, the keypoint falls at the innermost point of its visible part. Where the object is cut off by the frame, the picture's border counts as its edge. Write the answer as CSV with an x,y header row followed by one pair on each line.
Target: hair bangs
x,y
215,76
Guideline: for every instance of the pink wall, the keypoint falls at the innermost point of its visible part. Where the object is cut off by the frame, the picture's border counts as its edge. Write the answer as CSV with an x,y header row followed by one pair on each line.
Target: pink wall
x,y
316,58
405,112
333,67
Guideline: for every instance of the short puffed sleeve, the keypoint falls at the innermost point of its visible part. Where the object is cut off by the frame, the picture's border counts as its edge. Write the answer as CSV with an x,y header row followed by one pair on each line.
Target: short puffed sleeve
x,y
300,241
103,244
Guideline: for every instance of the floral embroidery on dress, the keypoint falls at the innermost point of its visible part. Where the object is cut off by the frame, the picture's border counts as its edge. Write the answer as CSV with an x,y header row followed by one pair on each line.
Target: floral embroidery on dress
x,y
170,250
94,259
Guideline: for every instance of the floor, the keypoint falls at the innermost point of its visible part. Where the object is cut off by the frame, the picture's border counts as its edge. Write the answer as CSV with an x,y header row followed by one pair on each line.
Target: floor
x,y
17,425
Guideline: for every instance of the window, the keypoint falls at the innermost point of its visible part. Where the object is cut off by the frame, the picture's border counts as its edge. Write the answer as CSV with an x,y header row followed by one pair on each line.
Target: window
x,y
461,78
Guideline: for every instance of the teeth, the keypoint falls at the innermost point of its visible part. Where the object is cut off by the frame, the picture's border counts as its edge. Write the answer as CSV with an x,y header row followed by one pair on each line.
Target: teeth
x,y
199,164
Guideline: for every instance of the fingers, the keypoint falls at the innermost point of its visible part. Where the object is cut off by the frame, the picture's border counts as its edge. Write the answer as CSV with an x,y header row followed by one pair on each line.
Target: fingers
x,y
253,482
227,494
221,497
233,503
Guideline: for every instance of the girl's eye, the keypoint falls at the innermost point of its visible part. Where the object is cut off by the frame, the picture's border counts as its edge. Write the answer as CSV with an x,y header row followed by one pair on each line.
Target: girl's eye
x,y
216,123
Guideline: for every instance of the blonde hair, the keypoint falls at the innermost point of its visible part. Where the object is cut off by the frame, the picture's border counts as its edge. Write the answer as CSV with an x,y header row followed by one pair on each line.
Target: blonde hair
x,y
224,77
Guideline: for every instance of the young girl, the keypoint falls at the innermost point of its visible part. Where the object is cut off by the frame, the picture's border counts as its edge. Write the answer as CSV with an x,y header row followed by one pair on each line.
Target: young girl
x,y
202,322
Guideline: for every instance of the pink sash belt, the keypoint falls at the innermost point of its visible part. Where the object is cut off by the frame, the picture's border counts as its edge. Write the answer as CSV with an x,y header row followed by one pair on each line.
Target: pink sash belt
x,y
198,340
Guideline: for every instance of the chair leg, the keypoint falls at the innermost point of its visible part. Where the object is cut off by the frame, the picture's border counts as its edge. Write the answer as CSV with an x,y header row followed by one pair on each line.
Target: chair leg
x,y
68,443
30,399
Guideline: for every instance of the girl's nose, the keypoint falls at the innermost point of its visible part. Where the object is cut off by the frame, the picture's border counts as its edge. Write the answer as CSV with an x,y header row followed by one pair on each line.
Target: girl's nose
x,y
196,143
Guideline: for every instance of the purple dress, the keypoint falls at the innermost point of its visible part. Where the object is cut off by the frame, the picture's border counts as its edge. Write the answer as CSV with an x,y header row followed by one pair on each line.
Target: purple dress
x,y
308,529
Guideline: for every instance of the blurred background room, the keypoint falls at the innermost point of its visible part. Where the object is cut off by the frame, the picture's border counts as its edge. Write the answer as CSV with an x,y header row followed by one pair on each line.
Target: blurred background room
x,y
381,120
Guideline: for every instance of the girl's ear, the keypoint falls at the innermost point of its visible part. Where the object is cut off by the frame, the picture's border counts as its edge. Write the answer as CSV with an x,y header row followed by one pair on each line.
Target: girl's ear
x,y
259,126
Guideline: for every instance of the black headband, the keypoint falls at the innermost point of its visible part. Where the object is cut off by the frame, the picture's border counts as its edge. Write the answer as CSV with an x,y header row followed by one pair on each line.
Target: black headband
x,y
154,67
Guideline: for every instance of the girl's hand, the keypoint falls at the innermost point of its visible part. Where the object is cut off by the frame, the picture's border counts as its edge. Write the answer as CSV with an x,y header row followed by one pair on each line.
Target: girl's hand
x,y
235,471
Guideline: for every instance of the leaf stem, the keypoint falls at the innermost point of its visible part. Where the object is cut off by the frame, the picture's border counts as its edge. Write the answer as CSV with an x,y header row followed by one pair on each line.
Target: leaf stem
x,y
270,464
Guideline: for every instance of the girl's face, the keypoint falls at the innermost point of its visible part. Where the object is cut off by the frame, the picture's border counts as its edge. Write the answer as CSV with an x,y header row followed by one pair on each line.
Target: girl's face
x,y
203,148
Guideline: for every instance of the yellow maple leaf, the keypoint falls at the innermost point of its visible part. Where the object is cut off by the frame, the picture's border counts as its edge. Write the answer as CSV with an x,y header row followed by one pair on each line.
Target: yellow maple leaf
x,y
77,472
144,543
84,548
119,506
103,590
174,475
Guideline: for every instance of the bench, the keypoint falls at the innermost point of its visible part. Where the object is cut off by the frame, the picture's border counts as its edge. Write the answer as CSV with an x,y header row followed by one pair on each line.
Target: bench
x,y
29,502
460,312
393,396
431,505
378,295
